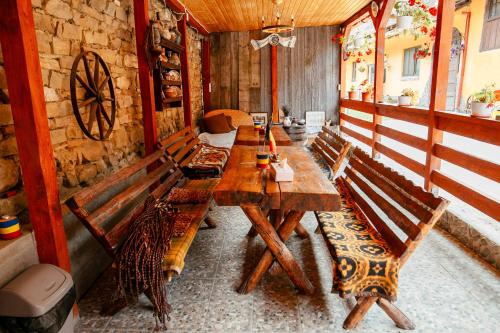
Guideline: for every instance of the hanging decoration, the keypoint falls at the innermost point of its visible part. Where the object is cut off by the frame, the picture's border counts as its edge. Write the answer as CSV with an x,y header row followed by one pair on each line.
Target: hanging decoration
x,y
96,111
274,29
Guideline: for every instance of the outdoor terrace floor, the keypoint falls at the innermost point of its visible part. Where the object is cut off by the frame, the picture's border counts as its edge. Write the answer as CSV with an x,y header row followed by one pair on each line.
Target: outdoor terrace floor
x,y
443,288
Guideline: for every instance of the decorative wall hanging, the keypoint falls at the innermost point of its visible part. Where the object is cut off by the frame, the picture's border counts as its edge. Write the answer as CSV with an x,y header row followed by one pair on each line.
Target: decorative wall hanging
x,y
95,111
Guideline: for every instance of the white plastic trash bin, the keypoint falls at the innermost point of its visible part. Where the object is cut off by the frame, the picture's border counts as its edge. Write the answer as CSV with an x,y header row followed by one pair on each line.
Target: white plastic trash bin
x,y
40,299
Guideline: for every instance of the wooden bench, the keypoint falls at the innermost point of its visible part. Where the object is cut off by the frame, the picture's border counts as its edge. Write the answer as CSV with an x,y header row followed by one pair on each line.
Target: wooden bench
x,y
332,148
109,221
367,248
182,147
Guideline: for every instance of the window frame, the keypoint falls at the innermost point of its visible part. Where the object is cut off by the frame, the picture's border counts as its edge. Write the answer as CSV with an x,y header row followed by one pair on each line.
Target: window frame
x,y
489,7
354,75
416,74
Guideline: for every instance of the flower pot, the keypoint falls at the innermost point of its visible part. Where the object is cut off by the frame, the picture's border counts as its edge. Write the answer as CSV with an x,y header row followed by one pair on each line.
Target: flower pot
x,y
367,96
481,110
287,121
404,100
353,95
404,22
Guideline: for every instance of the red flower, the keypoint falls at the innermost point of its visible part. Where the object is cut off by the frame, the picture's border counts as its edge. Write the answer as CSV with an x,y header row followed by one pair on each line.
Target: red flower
x,y
412,2
368,52
433,33
348,54
433,11
358,60
424,29
424,7
360,54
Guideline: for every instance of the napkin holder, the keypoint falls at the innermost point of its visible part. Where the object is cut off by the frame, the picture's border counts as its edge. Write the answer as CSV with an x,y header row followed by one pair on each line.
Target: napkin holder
x,y
282,172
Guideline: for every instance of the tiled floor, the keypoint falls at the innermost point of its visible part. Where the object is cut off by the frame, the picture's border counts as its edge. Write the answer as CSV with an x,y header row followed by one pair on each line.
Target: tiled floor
x,y
442,289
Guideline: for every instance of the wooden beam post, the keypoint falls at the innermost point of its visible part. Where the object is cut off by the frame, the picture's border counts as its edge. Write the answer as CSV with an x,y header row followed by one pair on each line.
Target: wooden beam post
x,y
380,28
24,79
439,87
205,69
186,91
342,72
274,82
141,18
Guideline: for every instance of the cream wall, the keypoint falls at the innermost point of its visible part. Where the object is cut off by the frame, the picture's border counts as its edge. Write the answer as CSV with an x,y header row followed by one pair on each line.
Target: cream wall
x,y
481,68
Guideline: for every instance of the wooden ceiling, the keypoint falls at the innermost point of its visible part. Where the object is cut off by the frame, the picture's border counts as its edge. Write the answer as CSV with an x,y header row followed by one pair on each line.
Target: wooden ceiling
x,y
244,15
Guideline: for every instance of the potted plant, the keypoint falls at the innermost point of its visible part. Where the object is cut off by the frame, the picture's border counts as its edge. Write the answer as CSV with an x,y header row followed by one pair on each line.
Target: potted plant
x,y
483,101
408,97
404,14
367,93
353,93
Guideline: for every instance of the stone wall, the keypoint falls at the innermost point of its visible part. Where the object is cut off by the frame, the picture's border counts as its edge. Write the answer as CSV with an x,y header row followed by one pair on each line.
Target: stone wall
x,y
106,27
195,75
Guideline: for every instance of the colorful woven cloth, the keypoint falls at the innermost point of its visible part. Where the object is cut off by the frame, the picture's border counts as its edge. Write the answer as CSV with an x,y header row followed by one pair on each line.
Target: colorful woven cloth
x,y
186,195
364,263
209,162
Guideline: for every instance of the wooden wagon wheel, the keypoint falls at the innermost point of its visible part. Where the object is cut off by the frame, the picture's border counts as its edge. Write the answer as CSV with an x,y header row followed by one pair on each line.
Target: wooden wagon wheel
x,y
98,97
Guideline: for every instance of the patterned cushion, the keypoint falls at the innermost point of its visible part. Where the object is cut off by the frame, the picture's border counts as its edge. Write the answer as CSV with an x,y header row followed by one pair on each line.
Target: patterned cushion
x,y
364,262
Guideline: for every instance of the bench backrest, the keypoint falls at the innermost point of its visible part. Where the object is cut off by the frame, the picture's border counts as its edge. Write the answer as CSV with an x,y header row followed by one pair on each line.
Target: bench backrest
x,y
163,176
332,148
407,206
181,147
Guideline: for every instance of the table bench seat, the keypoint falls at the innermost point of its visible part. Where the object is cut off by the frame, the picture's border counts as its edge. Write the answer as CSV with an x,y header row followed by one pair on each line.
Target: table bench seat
x,y
367,251
364,261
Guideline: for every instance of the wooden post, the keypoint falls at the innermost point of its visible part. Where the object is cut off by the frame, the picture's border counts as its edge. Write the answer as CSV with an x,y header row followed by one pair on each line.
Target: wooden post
x,y
24,79
205,68
342,73
274,82
141,18
380,27
186,91
439,87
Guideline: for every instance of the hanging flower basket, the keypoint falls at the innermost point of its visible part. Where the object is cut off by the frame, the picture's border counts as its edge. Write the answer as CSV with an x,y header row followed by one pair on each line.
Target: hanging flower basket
x,y
404,22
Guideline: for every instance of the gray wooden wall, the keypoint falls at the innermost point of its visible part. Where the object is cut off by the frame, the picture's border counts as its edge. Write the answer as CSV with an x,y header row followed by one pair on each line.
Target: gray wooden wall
x,y
307,74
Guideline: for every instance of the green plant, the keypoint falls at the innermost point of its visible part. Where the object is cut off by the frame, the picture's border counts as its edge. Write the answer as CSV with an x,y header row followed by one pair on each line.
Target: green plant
x,y
485,95
353,88
409,92
368,88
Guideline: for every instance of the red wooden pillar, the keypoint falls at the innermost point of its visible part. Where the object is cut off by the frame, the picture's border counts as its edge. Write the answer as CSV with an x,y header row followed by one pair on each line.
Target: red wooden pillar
x,y
274,82
24,79
205,69
141,18
186,91
439,87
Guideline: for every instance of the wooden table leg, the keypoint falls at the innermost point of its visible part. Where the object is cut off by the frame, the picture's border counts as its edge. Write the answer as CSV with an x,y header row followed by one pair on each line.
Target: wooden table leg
x,y
277,249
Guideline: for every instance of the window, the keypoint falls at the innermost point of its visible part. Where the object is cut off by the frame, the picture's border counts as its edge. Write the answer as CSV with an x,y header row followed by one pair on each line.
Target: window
x,y
490,39
493,9
371,73
411,65
354,71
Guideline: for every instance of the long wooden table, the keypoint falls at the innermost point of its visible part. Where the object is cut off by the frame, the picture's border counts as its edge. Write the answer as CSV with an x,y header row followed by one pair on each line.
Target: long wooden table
x,y
246,135
285,203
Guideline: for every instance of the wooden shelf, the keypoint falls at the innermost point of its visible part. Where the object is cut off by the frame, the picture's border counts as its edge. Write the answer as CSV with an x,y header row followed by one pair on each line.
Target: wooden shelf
x,y
171,46
172,100
171,83
169,65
